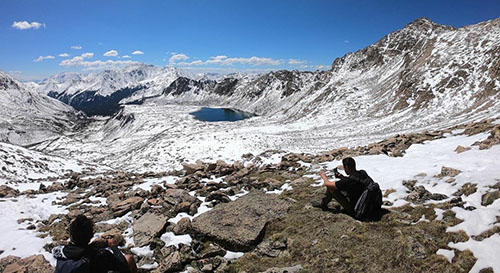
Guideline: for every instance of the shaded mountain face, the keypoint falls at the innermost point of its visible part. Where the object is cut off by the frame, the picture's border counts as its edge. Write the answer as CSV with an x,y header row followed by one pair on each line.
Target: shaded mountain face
x,y
27,117
101,93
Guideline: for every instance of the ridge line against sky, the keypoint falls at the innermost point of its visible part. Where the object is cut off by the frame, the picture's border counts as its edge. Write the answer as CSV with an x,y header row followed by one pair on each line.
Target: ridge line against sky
x,y
42,38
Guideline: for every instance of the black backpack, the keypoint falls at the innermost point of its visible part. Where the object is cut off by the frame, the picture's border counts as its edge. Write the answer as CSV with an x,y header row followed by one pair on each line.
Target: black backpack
x,y
370,201
81,265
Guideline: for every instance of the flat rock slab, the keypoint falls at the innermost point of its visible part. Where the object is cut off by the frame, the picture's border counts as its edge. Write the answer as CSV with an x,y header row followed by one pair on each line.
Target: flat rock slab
x,y
239,225
147,227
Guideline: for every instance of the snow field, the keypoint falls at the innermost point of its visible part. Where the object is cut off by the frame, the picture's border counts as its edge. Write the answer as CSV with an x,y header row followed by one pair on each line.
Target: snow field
x,y
423,162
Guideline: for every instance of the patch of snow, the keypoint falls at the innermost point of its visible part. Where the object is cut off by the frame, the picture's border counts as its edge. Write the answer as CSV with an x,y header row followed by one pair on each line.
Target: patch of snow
x,y
485,251
284,187
16,239
230,255
448,254
144,251
171,239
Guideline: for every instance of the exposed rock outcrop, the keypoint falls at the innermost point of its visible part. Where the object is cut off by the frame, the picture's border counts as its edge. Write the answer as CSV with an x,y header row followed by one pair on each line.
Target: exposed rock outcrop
x,y
239,226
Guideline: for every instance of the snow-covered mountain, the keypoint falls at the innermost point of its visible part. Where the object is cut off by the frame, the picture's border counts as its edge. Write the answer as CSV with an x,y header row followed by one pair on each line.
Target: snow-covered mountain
x,y
424,76
101,93
431,71
27,117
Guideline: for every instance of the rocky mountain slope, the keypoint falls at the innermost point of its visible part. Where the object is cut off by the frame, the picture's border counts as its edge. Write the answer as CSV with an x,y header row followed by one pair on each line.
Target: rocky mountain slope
x,y
242,217
27,117
423,77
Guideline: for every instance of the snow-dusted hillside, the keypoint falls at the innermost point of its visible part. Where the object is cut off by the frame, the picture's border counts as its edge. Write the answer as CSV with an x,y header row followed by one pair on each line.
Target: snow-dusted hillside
x,y
27,117
424,76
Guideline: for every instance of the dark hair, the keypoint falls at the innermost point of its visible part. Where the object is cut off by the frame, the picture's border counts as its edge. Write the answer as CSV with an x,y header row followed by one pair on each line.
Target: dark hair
x,y
349,163
81,230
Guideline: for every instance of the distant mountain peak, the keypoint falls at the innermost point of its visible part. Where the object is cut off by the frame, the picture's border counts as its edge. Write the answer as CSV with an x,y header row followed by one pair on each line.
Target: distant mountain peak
x,y
7,82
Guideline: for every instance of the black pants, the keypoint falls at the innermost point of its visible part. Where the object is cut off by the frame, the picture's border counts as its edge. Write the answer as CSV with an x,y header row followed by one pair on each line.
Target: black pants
x,y
340,197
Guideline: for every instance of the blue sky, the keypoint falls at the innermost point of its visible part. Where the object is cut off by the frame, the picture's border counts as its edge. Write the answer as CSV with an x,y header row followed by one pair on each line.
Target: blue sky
x,y
219,35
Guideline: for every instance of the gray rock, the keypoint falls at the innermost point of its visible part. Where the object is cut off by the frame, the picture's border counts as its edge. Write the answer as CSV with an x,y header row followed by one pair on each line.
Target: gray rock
x,y
171,264
177,196
182,227
446,171
120,208
192,168
147,227
239,225
490,197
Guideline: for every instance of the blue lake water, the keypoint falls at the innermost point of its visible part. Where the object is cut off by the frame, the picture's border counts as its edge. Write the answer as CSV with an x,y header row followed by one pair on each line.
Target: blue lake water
x,y
220,114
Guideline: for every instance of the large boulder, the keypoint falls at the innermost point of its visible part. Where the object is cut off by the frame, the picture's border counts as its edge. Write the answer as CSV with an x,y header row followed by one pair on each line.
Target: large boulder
x,y
147,227
35,263
239,225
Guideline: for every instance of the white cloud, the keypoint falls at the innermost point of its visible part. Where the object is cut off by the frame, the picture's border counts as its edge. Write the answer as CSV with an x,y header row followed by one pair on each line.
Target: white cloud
x,y
137,52
111,53
27,25
87,55
126,56
197,62
41,58
64,55
224,60
177,57
95,65
76,47
347,41
321,67
75,61
296,62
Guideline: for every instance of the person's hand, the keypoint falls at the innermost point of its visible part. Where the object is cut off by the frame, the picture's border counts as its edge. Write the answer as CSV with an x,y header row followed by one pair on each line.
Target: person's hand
x,y
322,174
112,242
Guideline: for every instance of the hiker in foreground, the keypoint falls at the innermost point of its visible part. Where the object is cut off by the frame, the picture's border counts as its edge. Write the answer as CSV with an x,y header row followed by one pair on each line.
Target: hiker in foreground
x,y
99,256
364,198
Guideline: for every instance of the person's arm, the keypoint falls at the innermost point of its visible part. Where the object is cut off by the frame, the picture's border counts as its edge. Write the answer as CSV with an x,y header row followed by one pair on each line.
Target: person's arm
x,y
327,182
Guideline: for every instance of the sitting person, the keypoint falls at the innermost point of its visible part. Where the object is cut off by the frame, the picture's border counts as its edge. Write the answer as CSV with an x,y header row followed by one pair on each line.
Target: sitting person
x,y
353,185
80,256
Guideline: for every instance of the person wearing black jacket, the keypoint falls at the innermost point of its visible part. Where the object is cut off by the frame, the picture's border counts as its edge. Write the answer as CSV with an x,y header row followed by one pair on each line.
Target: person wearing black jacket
x,y
353,185
97,257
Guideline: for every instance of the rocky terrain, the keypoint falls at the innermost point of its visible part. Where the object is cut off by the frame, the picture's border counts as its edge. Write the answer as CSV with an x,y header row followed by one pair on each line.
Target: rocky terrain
x,y
200,218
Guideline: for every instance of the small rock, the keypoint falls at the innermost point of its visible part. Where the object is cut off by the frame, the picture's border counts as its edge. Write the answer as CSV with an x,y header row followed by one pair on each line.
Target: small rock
x,y
113,233
212,250
172,263
461,149
438,196
182,227
192,168
410,184
446,171
6,191
490,197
